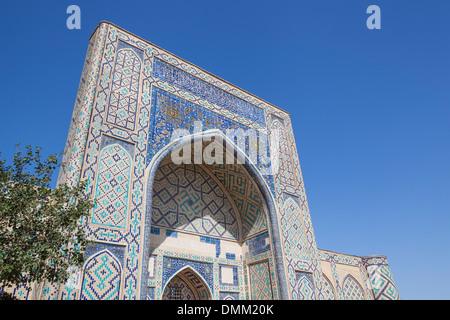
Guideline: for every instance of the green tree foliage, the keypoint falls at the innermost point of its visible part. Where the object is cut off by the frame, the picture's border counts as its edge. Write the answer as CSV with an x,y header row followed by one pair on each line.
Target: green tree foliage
x,y
41,232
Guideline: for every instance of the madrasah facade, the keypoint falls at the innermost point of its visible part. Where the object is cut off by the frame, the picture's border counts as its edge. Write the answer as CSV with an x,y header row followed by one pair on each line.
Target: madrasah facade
x,y
198,186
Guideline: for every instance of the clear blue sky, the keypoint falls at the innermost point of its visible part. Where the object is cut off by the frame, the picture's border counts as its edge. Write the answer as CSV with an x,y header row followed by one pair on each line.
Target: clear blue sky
x,y
370,108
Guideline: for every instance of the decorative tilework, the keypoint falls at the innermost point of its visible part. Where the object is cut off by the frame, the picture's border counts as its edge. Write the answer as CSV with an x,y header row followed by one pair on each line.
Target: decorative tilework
x,y
186,198
49,291
112,187
200,88
246,196
178,289
97,126
265,256
336,279
172,266
171,112
80,121
286,172
288,181
260,284
294,228
21,292
351,289
116,250
258,245
328,290
305,286
333,258
101,278
381,279
123,103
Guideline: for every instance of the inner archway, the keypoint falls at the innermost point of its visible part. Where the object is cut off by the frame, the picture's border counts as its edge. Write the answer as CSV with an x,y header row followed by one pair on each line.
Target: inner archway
x,y
186,285
227,227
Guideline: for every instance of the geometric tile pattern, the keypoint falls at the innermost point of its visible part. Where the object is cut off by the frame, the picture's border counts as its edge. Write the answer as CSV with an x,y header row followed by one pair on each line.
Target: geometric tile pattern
x,y
112,187
246,196
123,101
328,291
288,184
117,251
258,245
49,291
305,286
81,116
296,238
87,127
382,284
351,289
286,172
191,272
172,112
260,283
380,278
204,90
186,198
336,258
199,287
101,279
178,289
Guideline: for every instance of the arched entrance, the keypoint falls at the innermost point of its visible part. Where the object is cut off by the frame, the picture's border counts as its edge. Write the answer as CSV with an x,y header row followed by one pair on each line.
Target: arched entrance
x,y
187,284
165,181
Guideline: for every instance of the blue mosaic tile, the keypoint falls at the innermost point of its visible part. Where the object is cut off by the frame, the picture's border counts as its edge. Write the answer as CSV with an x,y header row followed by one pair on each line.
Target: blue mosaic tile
x,y
257,245
207,91
171,112
305,285
107,140
117,251
123,100
124,45
230,256
172,265
154,230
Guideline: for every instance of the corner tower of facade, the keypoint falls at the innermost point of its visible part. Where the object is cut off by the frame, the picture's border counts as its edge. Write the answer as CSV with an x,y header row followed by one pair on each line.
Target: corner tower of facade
x,y
228,219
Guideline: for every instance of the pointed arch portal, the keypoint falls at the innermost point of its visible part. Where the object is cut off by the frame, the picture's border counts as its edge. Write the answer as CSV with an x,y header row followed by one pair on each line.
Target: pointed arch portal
x,y
186,284
262,187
